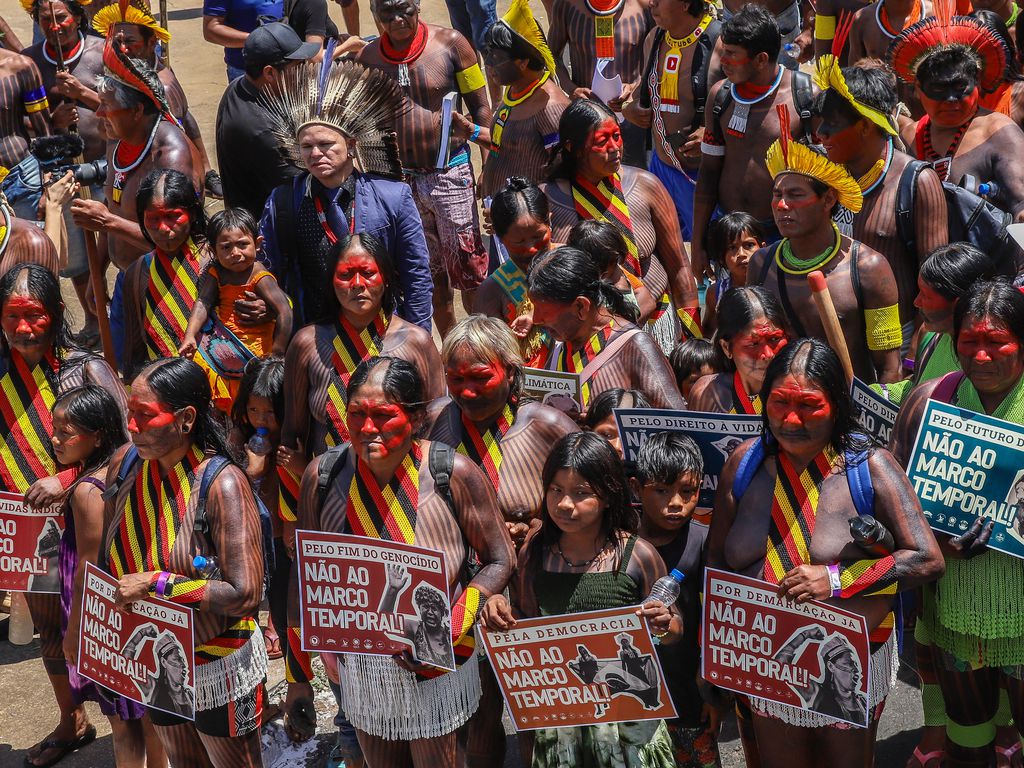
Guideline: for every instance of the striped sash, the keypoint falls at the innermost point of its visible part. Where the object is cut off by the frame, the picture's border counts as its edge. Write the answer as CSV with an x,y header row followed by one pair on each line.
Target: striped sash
x,y
575,361
169,298
535,347
794,509
605,202
287,494
351,347
484,448
26,453
511,280
390,512
741,401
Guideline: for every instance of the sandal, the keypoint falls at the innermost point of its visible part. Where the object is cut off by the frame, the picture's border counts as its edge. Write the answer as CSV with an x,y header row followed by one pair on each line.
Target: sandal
x,y
65,747
273,646
214,185
921,759
1005,755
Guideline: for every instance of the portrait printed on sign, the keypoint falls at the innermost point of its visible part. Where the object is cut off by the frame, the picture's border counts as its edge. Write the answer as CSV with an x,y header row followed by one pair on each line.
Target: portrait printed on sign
x,y
29,546
1015,499
166,687
429,628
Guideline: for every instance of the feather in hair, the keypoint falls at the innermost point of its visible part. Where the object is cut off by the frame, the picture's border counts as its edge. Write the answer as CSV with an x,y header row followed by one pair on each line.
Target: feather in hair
x,y
128,12
964,34
842,33
137,75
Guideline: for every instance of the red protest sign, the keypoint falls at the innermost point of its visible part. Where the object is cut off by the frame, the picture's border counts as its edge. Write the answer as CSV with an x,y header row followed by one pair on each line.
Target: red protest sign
x,y
145,655
810,655
363,595
29,541
579,669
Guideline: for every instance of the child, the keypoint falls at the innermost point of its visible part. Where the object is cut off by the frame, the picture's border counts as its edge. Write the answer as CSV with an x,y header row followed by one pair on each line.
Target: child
x,y
732,240
690,360
234,238
601,421
667,480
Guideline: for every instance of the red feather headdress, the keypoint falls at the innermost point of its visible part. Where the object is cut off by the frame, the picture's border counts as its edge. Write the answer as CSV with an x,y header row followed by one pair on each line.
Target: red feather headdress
x,y
944,31
136,74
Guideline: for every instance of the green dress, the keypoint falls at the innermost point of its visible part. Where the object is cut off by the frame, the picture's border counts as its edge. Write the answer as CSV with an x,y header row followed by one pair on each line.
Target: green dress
x,y
644,744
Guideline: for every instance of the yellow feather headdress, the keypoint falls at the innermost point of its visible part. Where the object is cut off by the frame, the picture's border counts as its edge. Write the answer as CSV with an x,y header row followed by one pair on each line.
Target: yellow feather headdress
x,y
30,5
788,156
128,12
520,20
829,77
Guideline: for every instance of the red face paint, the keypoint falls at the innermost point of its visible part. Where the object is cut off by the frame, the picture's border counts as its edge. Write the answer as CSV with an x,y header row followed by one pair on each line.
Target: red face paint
x,y
145,416
761,342
606,138
357,270
950,113
24,316
470,382
936,310
168,222
378,423
798,410
525,245
985,341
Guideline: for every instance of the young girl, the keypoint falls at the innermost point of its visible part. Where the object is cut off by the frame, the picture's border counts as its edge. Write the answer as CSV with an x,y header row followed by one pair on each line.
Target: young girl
x,y
586,556
732,240
690,360
88,427
600,419
234,238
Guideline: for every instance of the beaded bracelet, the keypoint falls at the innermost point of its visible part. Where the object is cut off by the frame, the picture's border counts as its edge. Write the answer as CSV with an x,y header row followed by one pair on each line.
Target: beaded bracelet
x,y
161,583
834,580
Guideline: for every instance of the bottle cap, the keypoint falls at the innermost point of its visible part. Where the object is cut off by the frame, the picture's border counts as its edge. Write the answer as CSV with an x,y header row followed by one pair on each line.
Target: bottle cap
x,y
678,575
262,431
199,561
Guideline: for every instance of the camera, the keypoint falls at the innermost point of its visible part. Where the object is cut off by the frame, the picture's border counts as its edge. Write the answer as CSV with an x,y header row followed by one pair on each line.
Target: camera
x,y
56,155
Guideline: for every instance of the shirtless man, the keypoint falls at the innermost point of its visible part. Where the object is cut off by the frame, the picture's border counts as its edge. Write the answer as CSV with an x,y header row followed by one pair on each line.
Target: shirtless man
x,y
140,140
429,61
827,16
795,19
858,135
670,103
22,100
22,242
956,135
859,278
72,108
874,28
735,141
605,39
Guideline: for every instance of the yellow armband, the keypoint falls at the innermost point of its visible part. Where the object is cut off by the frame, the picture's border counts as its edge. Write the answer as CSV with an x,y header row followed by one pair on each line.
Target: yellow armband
x,y
883,328
824,27
470,79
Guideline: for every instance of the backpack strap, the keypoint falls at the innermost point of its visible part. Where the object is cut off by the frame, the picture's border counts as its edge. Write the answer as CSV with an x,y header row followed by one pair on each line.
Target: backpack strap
x,y
128,463
945,390
722,101
286,204
332,461
905,194
858,477
803,101
749,464
700,69
768,259
442,463
200,525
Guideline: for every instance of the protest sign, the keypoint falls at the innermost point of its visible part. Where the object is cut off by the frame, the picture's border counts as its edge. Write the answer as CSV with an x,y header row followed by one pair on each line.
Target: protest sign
x,y
554,388
579,669
716,434
967,465
362,595
810,655
145,654
875,414
29,540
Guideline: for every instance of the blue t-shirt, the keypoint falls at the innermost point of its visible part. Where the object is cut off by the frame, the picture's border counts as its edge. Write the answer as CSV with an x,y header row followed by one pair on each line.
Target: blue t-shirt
x,y
242,15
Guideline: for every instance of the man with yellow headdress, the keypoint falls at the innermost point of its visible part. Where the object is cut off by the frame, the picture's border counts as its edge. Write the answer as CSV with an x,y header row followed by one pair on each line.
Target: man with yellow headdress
x,y
807,191
525,124
138,32
857,132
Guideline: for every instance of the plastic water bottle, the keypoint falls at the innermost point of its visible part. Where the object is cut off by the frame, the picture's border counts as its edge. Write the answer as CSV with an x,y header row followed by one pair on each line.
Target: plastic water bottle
x,y
206,566
988,189
259,443
666,589
792,50
19,625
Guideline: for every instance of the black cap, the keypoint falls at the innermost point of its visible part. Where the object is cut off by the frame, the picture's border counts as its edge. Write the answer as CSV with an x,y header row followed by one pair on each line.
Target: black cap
x,y
276,42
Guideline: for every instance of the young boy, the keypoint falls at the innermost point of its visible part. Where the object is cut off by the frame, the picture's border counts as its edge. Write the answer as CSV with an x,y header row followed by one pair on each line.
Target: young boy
x,y
667,478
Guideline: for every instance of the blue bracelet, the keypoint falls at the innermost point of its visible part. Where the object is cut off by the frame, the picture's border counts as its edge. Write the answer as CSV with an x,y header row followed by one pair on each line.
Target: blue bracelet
x,y
476,133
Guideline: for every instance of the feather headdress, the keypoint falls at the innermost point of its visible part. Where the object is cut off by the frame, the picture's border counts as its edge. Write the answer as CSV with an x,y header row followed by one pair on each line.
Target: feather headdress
x,y
829,77
520,21
136,74
361,103
128,12
944,31
30,6
788,156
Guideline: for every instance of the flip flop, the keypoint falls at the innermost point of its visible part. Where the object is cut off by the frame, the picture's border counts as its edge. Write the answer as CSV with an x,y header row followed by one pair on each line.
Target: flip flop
x,y
923,758
66,747
273,646
214,185
1005,755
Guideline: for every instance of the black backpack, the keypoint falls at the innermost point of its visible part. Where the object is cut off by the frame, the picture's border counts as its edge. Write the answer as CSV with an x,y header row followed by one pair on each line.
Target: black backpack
x,y
803,100
200,524
970,217
699,69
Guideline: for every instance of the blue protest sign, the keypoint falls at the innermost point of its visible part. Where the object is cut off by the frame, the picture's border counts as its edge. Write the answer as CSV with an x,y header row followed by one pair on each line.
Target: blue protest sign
x,y
875,414
967,465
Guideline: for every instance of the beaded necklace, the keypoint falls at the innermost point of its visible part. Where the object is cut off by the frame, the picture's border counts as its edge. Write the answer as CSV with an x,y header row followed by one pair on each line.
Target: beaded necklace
x,y
800,266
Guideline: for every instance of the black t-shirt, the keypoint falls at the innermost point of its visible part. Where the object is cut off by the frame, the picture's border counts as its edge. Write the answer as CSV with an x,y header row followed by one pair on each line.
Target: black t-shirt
x,y
310,17
251,162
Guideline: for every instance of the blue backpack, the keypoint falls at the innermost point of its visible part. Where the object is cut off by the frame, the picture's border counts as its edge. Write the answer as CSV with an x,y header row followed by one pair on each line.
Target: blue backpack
x,y
858,477
200,524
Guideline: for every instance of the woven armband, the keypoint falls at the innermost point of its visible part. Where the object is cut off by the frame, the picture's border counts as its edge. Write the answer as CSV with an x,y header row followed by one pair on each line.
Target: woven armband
x,y
185,591
712,150
690,318
824,27
470,79
868,577
35,100
287,495
464,614
298,667
883,328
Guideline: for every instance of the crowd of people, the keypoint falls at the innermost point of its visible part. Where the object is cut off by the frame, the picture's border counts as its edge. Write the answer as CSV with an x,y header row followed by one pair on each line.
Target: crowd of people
x,y
635,195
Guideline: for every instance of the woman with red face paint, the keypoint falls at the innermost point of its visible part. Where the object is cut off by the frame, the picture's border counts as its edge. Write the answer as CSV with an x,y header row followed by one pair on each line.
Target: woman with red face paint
x,y
799,469
585,556
151,540
404,713
590,320
589,181
978,627
752,329
486,419
38,360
